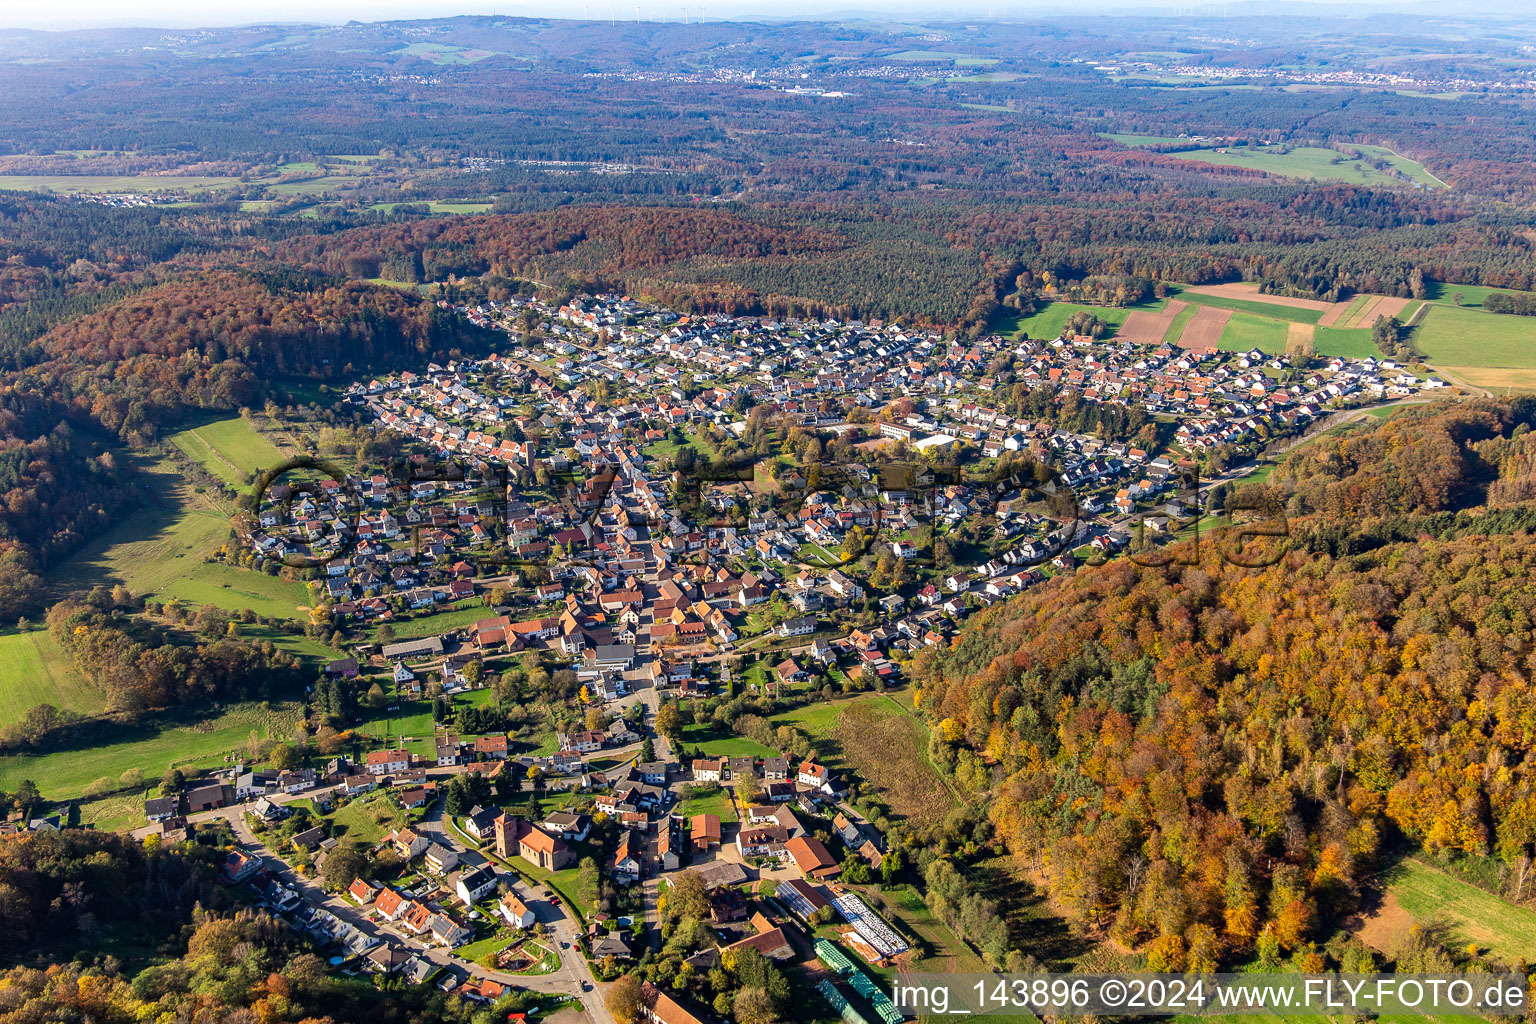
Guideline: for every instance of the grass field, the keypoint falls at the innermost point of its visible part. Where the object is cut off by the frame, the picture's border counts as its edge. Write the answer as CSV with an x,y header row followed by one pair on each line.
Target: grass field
x,y
231,449
1143,140
1344,342
109,183
1432,895
455,617
156,544
719,804
1459,336
119,812
1176,328
1246,331
318,185
367,819
1498,380
1472,295
441,53
1255,306
414,719
1307,162
440,206
64,774
937,55
1047,322
235,589
35,670
298,645
710,742
876,738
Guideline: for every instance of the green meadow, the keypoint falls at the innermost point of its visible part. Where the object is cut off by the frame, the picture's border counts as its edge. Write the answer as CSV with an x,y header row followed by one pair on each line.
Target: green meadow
x,y
153,748
110,183
1310,163
1435,896
230,448
1463,336
35,670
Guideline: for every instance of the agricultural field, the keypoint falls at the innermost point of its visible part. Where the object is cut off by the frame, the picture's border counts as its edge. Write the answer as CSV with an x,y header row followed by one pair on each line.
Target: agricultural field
x,y
35,670
151,748
1343,343
1231,317
1246,331
1047,322
938,55
441,53
1243,298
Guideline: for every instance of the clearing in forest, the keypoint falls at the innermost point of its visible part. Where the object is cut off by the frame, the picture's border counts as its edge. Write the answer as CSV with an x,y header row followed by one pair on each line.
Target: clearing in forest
x,y
1435,897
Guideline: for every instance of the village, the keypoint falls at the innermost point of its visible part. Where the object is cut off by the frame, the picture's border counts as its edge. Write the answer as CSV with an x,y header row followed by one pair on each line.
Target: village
x,y
850,493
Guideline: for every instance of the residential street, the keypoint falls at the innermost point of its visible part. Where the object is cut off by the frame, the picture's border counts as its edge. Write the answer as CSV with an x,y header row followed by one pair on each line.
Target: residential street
x,y
568,980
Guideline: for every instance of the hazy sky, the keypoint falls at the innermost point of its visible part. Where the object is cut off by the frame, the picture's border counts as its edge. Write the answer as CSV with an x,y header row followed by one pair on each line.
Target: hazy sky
x,y
66,14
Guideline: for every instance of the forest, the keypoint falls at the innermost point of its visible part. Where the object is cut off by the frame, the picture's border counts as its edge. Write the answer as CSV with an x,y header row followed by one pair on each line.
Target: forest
x,y
1206,761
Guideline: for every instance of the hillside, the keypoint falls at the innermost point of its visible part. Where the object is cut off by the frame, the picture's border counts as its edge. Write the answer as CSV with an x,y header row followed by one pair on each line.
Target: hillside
x,y
1207,760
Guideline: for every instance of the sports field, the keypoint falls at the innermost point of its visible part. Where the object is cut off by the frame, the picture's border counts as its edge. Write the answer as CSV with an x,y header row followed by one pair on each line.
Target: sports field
x,y
35,670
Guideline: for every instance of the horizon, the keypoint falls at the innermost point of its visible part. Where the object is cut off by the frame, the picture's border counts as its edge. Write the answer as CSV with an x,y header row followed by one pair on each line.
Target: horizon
x,y
98,15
